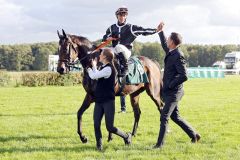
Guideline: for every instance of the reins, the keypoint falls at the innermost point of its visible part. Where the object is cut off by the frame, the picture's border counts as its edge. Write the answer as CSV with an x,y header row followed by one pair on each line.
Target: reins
x,y
103,44
100,46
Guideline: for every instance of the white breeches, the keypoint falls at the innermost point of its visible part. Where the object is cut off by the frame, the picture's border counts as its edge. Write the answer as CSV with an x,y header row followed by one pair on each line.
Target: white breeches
x,y
121,48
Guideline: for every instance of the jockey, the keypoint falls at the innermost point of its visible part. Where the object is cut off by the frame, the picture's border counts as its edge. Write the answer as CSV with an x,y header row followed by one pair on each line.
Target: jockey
x,y
125,33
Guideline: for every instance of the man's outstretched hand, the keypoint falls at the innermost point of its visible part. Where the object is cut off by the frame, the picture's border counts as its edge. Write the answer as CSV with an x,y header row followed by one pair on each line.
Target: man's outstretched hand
x,y
160,27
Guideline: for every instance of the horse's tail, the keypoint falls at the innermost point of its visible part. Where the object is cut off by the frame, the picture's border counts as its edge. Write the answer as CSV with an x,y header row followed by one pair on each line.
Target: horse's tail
x,y
161,82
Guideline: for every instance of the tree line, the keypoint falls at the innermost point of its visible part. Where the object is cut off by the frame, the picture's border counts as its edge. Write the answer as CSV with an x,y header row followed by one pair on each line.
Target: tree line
x,y
25,57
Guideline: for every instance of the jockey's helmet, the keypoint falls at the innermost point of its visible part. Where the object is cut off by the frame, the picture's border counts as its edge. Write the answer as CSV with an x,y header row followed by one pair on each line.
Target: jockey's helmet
x,y
122,10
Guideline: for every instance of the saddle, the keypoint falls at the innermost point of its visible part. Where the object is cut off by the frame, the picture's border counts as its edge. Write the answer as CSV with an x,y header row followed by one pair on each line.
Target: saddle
x,y
135,73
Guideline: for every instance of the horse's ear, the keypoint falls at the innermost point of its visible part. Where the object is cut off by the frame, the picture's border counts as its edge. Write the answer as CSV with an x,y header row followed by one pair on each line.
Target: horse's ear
x,y
64,34
59,35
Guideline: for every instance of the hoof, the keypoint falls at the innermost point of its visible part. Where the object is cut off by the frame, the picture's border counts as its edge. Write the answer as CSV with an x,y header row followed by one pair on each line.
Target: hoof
x,y
84,139
110,139
133,134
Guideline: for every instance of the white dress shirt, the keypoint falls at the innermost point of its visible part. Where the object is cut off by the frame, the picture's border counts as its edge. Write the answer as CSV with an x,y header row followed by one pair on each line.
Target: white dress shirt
x,y
96,74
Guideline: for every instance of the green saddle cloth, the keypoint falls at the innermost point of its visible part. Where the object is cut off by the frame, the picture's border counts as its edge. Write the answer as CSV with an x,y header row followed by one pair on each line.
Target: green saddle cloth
x,y
136,73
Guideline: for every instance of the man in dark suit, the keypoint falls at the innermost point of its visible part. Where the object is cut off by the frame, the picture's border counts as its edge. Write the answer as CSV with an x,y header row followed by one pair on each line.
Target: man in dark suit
x,y
172,91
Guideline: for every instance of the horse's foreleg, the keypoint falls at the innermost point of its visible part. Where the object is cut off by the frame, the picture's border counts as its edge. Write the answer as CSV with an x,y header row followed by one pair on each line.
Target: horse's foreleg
x,y
86,103
136,110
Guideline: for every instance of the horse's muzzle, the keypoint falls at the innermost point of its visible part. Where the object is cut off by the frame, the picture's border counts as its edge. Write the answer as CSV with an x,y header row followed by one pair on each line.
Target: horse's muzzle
x,y
60,70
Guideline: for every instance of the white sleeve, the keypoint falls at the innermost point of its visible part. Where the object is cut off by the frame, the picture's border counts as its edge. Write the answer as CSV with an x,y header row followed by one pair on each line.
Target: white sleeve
x,y
96,74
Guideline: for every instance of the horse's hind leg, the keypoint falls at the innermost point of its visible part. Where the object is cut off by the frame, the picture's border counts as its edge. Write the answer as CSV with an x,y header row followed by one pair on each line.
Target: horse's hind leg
x,y
86,103
137,112
154,93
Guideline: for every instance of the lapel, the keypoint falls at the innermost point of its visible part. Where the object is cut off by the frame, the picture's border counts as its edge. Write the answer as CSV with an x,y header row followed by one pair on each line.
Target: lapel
x,y
170,53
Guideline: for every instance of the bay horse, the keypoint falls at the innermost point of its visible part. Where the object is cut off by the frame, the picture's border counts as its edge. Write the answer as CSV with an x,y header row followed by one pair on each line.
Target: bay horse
x,y
72,47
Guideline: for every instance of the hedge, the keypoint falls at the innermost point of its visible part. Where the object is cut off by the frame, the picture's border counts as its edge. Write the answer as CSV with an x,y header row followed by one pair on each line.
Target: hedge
x,y
50,78
4,78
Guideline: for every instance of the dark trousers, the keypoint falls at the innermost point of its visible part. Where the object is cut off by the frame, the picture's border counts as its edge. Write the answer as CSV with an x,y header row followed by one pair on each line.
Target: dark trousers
x,y
170,109
123,103
107,108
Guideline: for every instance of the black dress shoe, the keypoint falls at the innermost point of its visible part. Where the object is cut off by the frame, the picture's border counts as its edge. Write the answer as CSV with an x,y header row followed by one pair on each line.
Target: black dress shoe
x,y
196,138
157,146
128,140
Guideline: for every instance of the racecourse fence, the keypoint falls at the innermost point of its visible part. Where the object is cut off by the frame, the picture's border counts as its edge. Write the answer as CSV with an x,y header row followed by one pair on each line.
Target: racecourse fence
x,y
209,72
205,72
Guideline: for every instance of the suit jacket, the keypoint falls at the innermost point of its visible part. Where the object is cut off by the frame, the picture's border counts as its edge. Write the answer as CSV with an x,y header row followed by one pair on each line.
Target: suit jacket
x,y
174,71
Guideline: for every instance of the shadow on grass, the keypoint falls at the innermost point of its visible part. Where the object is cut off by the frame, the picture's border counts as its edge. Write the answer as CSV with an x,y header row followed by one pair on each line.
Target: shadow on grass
x,y
26,138
78,146
41,148
81,148
37,114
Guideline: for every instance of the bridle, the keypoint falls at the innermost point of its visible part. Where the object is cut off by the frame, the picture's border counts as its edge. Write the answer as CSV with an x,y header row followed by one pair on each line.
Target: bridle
x,y
66,61
72,46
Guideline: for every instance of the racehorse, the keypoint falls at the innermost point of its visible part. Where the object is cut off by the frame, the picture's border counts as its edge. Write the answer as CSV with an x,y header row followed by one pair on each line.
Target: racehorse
x,y
72,48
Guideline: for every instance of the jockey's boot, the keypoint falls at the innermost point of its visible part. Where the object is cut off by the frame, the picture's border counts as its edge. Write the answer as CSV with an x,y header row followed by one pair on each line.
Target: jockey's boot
x,y
123,64
118,67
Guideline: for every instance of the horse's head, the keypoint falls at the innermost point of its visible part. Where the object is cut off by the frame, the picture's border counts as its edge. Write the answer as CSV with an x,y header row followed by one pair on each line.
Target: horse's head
x,y
72,48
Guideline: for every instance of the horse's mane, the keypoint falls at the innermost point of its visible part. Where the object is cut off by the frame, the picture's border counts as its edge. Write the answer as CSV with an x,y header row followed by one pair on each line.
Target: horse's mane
x,y
81,41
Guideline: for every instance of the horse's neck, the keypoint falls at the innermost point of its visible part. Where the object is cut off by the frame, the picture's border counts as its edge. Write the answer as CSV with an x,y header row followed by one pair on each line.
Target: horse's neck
x,y
88,84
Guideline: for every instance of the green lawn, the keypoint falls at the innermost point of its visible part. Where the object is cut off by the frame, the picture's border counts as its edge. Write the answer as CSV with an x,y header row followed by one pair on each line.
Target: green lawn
x,y
40,123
